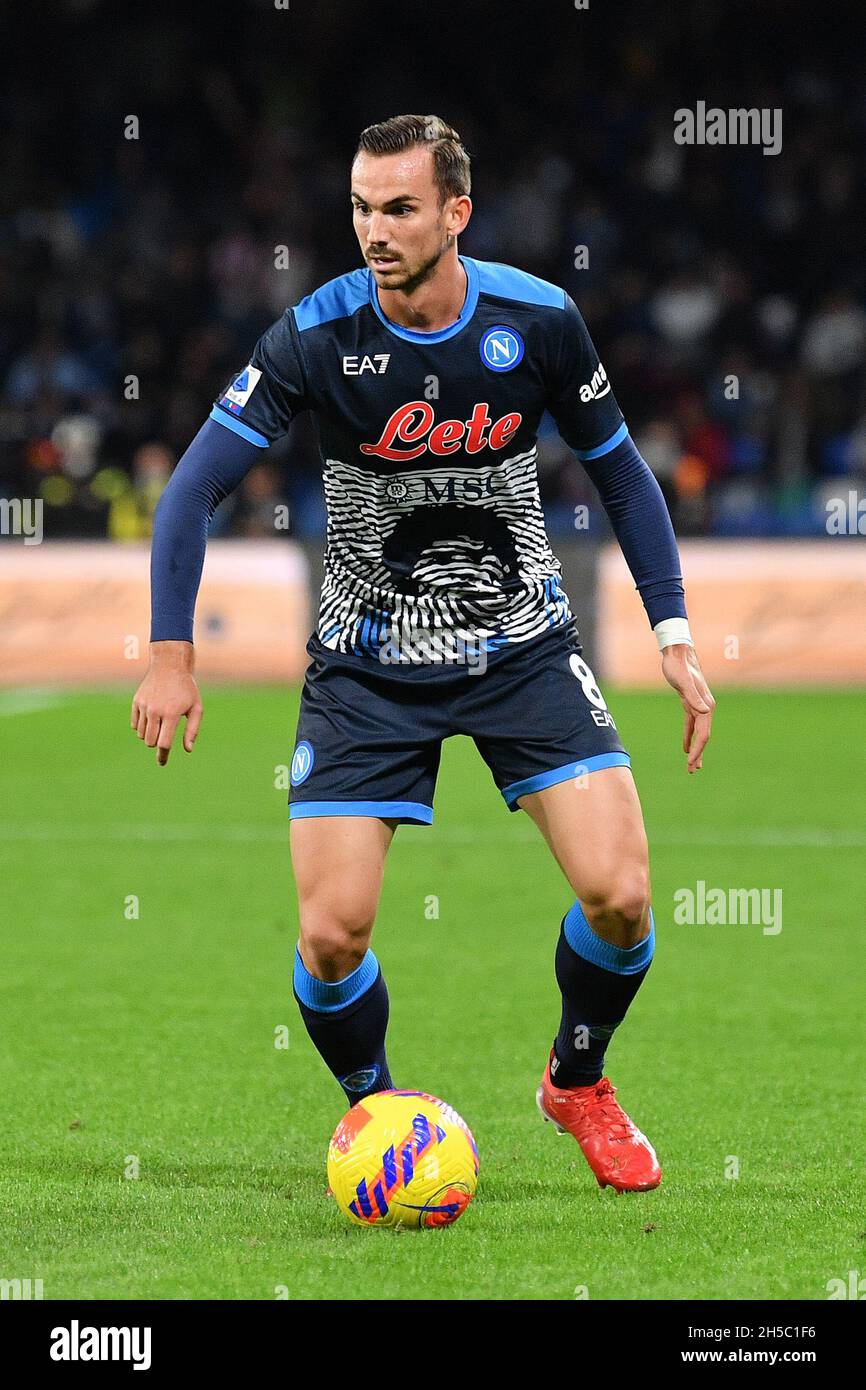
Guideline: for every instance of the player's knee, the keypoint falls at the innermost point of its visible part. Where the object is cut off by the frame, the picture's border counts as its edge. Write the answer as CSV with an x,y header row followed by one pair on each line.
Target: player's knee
x,y
620,912
335,938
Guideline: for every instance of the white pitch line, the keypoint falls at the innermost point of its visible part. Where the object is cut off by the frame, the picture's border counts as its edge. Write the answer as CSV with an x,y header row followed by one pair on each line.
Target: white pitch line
x,y
28,702
766,837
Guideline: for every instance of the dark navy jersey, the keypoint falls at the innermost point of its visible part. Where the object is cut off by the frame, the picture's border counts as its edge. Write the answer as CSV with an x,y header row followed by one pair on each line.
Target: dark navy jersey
x,y
436,537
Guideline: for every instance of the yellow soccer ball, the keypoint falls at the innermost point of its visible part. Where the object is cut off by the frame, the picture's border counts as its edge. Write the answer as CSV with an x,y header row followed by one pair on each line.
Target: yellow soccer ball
x,y
402,1158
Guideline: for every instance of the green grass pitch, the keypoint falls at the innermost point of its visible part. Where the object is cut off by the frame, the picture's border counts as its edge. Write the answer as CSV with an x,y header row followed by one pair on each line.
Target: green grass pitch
x,y
147,1044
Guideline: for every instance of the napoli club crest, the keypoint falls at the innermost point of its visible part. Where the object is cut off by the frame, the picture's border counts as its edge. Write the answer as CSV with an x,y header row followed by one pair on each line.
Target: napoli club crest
x,y
302,763
501,349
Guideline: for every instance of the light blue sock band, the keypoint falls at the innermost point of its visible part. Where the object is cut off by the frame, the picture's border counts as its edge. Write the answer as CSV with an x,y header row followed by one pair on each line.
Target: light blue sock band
x,y
622,960
325,998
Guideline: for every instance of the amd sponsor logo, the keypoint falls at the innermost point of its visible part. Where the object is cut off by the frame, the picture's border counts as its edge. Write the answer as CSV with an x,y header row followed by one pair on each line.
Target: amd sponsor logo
x,y
77,1343
410,432
598,386
357,366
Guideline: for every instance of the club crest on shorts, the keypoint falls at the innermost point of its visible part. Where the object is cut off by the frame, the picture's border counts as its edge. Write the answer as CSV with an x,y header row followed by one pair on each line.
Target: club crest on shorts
x,y
302,763
501,348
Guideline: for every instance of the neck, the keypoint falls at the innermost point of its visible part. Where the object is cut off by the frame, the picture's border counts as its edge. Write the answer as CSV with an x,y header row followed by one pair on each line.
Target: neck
x,y
433,304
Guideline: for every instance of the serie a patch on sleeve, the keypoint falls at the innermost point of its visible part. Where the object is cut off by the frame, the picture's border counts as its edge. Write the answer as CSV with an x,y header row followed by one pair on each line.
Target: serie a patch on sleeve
x,y
241,389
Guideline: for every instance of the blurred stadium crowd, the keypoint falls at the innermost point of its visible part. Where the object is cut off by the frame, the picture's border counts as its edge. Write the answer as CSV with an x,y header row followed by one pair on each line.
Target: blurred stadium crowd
x,y
725,289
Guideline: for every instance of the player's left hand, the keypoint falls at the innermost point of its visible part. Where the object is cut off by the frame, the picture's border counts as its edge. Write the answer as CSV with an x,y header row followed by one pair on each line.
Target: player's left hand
x,y
682,670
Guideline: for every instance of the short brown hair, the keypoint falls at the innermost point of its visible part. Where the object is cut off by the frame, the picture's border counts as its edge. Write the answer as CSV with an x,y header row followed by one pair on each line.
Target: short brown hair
x,y
450,160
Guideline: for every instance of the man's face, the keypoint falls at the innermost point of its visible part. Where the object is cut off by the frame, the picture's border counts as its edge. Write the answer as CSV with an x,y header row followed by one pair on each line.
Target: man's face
x,y
401,227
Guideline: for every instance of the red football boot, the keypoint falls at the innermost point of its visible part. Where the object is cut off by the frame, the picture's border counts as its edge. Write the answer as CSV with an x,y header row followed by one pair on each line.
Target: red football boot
x,y
613,1146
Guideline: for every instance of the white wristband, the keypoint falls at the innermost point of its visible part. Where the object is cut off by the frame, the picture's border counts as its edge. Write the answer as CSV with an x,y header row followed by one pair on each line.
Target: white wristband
x,y
672,630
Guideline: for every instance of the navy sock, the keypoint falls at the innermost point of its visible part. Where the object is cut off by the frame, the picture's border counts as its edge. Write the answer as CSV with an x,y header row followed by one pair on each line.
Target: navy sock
x,y
598,982
347,1022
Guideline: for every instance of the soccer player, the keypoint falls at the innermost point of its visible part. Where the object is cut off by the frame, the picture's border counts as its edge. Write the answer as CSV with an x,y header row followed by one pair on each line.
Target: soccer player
x,y
442,610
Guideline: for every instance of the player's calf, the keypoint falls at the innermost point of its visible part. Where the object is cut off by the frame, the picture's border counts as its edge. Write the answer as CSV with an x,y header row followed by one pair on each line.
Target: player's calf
x,y
598,980
338,984
347,1020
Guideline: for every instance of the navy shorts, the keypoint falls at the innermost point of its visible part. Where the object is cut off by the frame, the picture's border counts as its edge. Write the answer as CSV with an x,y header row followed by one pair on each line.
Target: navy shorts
x,y
368,744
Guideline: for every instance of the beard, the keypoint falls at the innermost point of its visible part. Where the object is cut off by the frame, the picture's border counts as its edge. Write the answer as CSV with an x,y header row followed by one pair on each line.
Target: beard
x,y
409,279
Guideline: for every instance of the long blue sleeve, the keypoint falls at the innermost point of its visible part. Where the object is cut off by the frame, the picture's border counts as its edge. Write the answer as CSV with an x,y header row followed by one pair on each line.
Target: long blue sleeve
x,y
213,465
642,525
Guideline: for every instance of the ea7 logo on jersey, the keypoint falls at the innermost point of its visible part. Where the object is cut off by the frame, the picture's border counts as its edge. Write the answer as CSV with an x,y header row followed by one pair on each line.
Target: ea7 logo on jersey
x,y
596,388
356,366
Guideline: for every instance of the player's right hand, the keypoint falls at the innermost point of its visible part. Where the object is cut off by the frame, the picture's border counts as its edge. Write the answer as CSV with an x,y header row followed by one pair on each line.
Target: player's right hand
x,y
167,694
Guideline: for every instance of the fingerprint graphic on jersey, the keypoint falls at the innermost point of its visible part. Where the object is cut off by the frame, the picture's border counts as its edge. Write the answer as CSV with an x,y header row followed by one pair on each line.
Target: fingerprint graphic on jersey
x,y
458,550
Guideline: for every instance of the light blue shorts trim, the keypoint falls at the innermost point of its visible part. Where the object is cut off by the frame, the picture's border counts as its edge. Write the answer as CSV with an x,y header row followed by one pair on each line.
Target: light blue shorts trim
x,y
408,812
561,774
